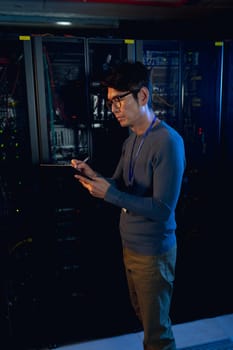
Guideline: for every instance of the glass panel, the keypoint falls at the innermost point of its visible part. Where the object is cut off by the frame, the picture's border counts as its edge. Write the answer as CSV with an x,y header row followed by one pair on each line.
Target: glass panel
x,y
65,84
163,59
107,134
201,108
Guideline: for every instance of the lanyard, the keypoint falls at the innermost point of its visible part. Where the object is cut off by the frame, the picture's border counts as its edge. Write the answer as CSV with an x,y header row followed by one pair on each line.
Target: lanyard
x,y
133,159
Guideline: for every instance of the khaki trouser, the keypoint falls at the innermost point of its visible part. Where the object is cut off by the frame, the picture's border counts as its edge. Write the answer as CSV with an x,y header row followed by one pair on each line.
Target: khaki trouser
x,y
150,281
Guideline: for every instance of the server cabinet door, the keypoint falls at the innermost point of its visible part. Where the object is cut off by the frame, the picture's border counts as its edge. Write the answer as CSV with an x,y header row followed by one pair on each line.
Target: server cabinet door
x,y
106,131
62,99
60,71
202,94
107,270
201,219
18,151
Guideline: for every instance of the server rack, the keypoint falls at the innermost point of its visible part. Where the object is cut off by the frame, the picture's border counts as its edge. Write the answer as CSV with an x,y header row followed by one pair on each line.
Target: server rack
x,y
18,153
73,122
187,85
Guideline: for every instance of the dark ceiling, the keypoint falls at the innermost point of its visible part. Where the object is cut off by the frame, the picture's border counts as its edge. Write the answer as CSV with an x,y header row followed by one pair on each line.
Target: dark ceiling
x,y
133,17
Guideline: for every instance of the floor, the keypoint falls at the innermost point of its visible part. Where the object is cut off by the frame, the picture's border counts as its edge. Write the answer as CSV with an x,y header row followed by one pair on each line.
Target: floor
x,y
186,334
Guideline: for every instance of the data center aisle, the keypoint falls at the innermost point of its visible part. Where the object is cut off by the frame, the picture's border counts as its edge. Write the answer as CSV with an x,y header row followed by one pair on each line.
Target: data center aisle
x,y
212,333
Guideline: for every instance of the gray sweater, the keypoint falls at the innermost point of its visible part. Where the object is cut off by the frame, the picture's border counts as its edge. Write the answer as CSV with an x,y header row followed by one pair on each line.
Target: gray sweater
x,y
148,202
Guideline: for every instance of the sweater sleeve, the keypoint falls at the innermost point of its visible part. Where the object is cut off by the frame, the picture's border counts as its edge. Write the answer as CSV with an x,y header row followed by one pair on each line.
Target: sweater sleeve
x,y
143,206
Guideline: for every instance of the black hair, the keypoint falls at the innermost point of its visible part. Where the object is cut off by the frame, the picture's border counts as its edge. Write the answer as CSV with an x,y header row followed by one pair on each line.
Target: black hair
x,y
129,76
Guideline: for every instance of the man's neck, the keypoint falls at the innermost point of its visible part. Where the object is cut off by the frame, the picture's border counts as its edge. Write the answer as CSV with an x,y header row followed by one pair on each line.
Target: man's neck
x,y
144,124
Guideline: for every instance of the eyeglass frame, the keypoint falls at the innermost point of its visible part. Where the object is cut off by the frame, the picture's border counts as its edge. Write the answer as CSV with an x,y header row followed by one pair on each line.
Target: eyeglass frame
x,y
118,98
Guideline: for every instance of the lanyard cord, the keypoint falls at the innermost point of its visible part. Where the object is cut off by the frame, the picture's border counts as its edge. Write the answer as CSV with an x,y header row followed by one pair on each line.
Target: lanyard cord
x,y
133,159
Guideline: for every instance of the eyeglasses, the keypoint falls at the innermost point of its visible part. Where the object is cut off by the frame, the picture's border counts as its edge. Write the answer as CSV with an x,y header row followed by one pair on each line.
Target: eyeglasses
x,y
116,100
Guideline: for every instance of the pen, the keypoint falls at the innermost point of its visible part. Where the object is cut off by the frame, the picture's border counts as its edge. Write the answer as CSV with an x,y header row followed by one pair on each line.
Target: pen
x,y
62,165
86,159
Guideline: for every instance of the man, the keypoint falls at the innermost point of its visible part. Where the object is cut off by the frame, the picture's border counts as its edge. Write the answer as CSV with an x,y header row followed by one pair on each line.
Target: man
x,y
146,185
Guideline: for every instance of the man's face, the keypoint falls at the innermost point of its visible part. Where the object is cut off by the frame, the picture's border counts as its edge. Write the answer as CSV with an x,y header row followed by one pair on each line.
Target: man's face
x,y
124,106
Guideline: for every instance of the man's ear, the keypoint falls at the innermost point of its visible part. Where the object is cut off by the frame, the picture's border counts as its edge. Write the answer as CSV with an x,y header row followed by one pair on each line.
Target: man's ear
x,y
143,96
